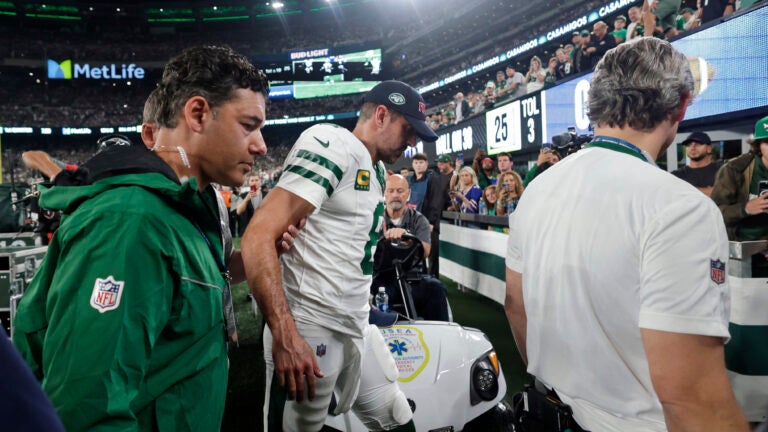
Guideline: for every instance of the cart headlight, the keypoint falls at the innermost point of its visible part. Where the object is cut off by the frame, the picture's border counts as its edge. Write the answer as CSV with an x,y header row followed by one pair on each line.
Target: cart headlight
x,y
484,379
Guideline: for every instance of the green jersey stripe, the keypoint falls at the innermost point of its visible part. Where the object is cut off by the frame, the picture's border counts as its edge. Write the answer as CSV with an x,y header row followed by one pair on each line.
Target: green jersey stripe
x,y
310,175
322,161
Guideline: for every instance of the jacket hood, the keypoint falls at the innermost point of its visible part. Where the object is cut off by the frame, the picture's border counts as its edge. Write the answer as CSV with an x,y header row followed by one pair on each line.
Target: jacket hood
x,y
115,167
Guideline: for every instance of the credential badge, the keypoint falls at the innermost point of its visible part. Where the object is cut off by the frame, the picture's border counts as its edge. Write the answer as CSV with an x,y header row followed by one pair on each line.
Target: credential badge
x,y
106,294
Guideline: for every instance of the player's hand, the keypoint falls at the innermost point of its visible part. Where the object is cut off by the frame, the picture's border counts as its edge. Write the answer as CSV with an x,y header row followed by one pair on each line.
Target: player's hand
x,y
757,205
285,243
294,361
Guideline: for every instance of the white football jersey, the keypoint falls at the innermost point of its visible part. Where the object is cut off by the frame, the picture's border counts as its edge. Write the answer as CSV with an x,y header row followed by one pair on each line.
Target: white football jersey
x,y
327,273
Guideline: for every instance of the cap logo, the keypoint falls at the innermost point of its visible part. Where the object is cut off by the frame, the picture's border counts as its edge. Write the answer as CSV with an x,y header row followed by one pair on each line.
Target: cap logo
x,y
423,108
396,98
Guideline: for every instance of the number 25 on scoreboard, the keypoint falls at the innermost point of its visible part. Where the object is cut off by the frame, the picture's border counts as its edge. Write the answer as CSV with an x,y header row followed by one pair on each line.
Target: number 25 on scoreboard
x,y
502,127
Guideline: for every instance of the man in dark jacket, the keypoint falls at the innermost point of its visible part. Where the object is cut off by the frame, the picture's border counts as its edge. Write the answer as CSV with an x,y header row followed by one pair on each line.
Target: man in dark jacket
x,y
740,189
434,203
123,322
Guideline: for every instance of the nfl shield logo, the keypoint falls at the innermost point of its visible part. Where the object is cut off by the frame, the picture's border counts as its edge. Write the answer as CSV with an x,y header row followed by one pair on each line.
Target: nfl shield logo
x,y
106,294
717,271
320,350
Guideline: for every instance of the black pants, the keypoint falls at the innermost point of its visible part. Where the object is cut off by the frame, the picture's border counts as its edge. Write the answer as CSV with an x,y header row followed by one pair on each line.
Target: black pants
x,y
433,264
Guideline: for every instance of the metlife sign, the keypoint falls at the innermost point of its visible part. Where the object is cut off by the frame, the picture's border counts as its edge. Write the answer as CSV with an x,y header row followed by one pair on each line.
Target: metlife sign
x,y
69,70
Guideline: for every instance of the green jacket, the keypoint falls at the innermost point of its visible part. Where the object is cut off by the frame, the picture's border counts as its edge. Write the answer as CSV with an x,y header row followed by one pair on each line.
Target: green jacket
x,y
144,349
731,190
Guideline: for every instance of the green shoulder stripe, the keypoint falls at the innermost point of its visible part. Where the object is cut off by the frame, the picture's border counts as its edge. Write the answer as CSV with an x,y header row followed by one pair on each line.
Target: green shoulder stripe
x,y
322,161
310,175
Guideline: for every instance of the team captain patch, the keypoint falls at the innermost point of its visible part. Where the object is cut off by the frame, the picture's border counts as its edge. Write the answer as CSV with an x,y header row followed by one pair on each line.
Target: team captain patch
x,y
717,271
363,180
106,294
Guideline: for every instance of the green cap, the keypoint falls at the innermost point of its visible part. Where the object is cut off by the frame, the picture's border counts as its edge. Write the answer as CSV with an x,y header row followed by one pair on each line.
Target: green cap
x,y
761,128
444,158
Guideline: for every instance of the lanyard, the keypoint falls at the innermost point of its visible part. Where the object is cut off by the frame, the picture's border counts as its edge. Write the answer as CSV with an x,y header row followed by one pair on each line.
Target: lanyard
x,y
621,146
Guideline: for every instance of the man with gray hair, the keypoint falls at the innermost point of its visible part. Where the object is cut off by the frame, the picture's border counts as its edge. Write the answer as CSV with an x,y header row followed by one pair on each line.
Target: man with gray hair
x,y
622,312
462,107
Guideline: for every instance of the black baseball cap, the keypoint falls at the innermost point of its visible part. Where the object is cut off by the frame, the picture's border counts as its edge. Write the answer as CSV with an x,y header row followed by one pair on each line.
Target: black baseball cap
x,y
401,97
699,137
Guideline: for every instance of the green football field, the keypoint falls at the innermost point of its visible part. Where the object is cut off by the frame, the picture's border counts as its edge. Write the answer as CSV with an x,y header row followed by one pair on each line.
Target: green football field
x,y
246,376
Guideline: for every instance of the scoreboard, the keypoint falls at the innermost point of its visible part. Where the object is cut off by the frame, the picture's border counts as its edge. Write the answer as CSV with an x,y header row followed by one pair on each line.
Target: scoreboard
x,y
518,125
322,72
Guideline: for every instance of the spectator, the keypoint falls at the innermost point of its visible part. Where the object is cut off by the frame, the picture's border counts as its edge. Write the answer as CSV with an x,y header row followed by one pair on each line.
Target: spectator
x,y
405,172
575,44
662,14
551,73
690,18
489,199
568,48
504,160
635,27
534,79
619,29
701,169
501,84
600,44
251,200
509,189
582,59
739,192
429,294
462,107
547,158
483,166
515,84
489,96
715,9
635,343
467,194
564,65
435,202
419,181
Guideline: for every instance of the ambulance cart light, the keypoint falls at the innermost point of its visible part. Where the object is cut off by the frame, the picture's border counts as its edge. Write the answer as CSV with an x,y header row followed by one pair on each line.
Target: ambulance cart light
x,y
484,379
494,361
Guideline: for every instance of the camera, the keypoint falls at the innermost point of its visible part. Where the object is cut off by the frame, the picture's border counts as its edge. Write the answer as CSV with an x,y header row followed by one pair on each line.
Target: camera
x,y
569,142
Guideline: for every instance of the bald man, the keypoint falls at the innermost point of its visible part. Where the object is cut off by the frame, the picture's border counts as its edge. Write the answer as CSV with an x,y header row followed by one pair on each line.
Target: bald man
x,y
429,294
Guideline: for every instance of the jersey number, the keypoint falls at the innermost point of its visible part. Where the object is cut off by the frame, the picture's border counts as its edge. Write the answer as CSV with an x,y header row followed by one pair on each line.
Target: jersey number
x,y
373,239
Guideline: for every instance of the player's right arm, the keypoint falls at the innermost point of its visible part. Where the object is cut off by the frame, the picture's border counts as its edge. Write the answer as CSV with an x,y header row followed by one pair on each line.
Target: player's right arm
x,y
312,171
293,358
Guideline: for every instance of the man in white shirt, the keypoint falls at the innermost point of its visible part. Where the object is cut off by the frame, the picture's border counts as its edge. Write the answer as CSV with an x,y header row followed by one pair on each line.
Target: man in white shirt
x,y
616,270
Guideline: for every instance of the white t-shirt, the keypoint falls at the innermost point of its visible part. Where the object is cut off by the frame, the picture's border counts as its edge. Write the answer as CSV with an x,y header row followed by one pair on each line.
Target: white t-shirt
x,y
608,244
327,273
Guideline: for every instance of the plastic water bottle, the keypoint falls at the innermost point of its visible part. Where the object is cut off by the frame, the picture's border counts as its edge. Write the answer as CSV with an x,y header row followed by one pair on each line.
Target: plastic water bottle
x,y
382,300
482,209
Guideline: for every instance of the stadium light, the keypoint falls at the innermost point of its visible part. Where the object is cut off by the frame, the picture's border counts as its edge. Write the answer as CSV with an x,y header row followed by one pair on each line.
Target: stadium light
x,y
277,5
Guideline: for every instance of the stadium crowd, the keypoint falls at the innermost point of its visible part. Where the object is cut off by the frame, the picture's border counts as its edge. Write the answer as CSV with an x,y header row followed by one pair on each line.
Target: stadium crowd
x,y
414,53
